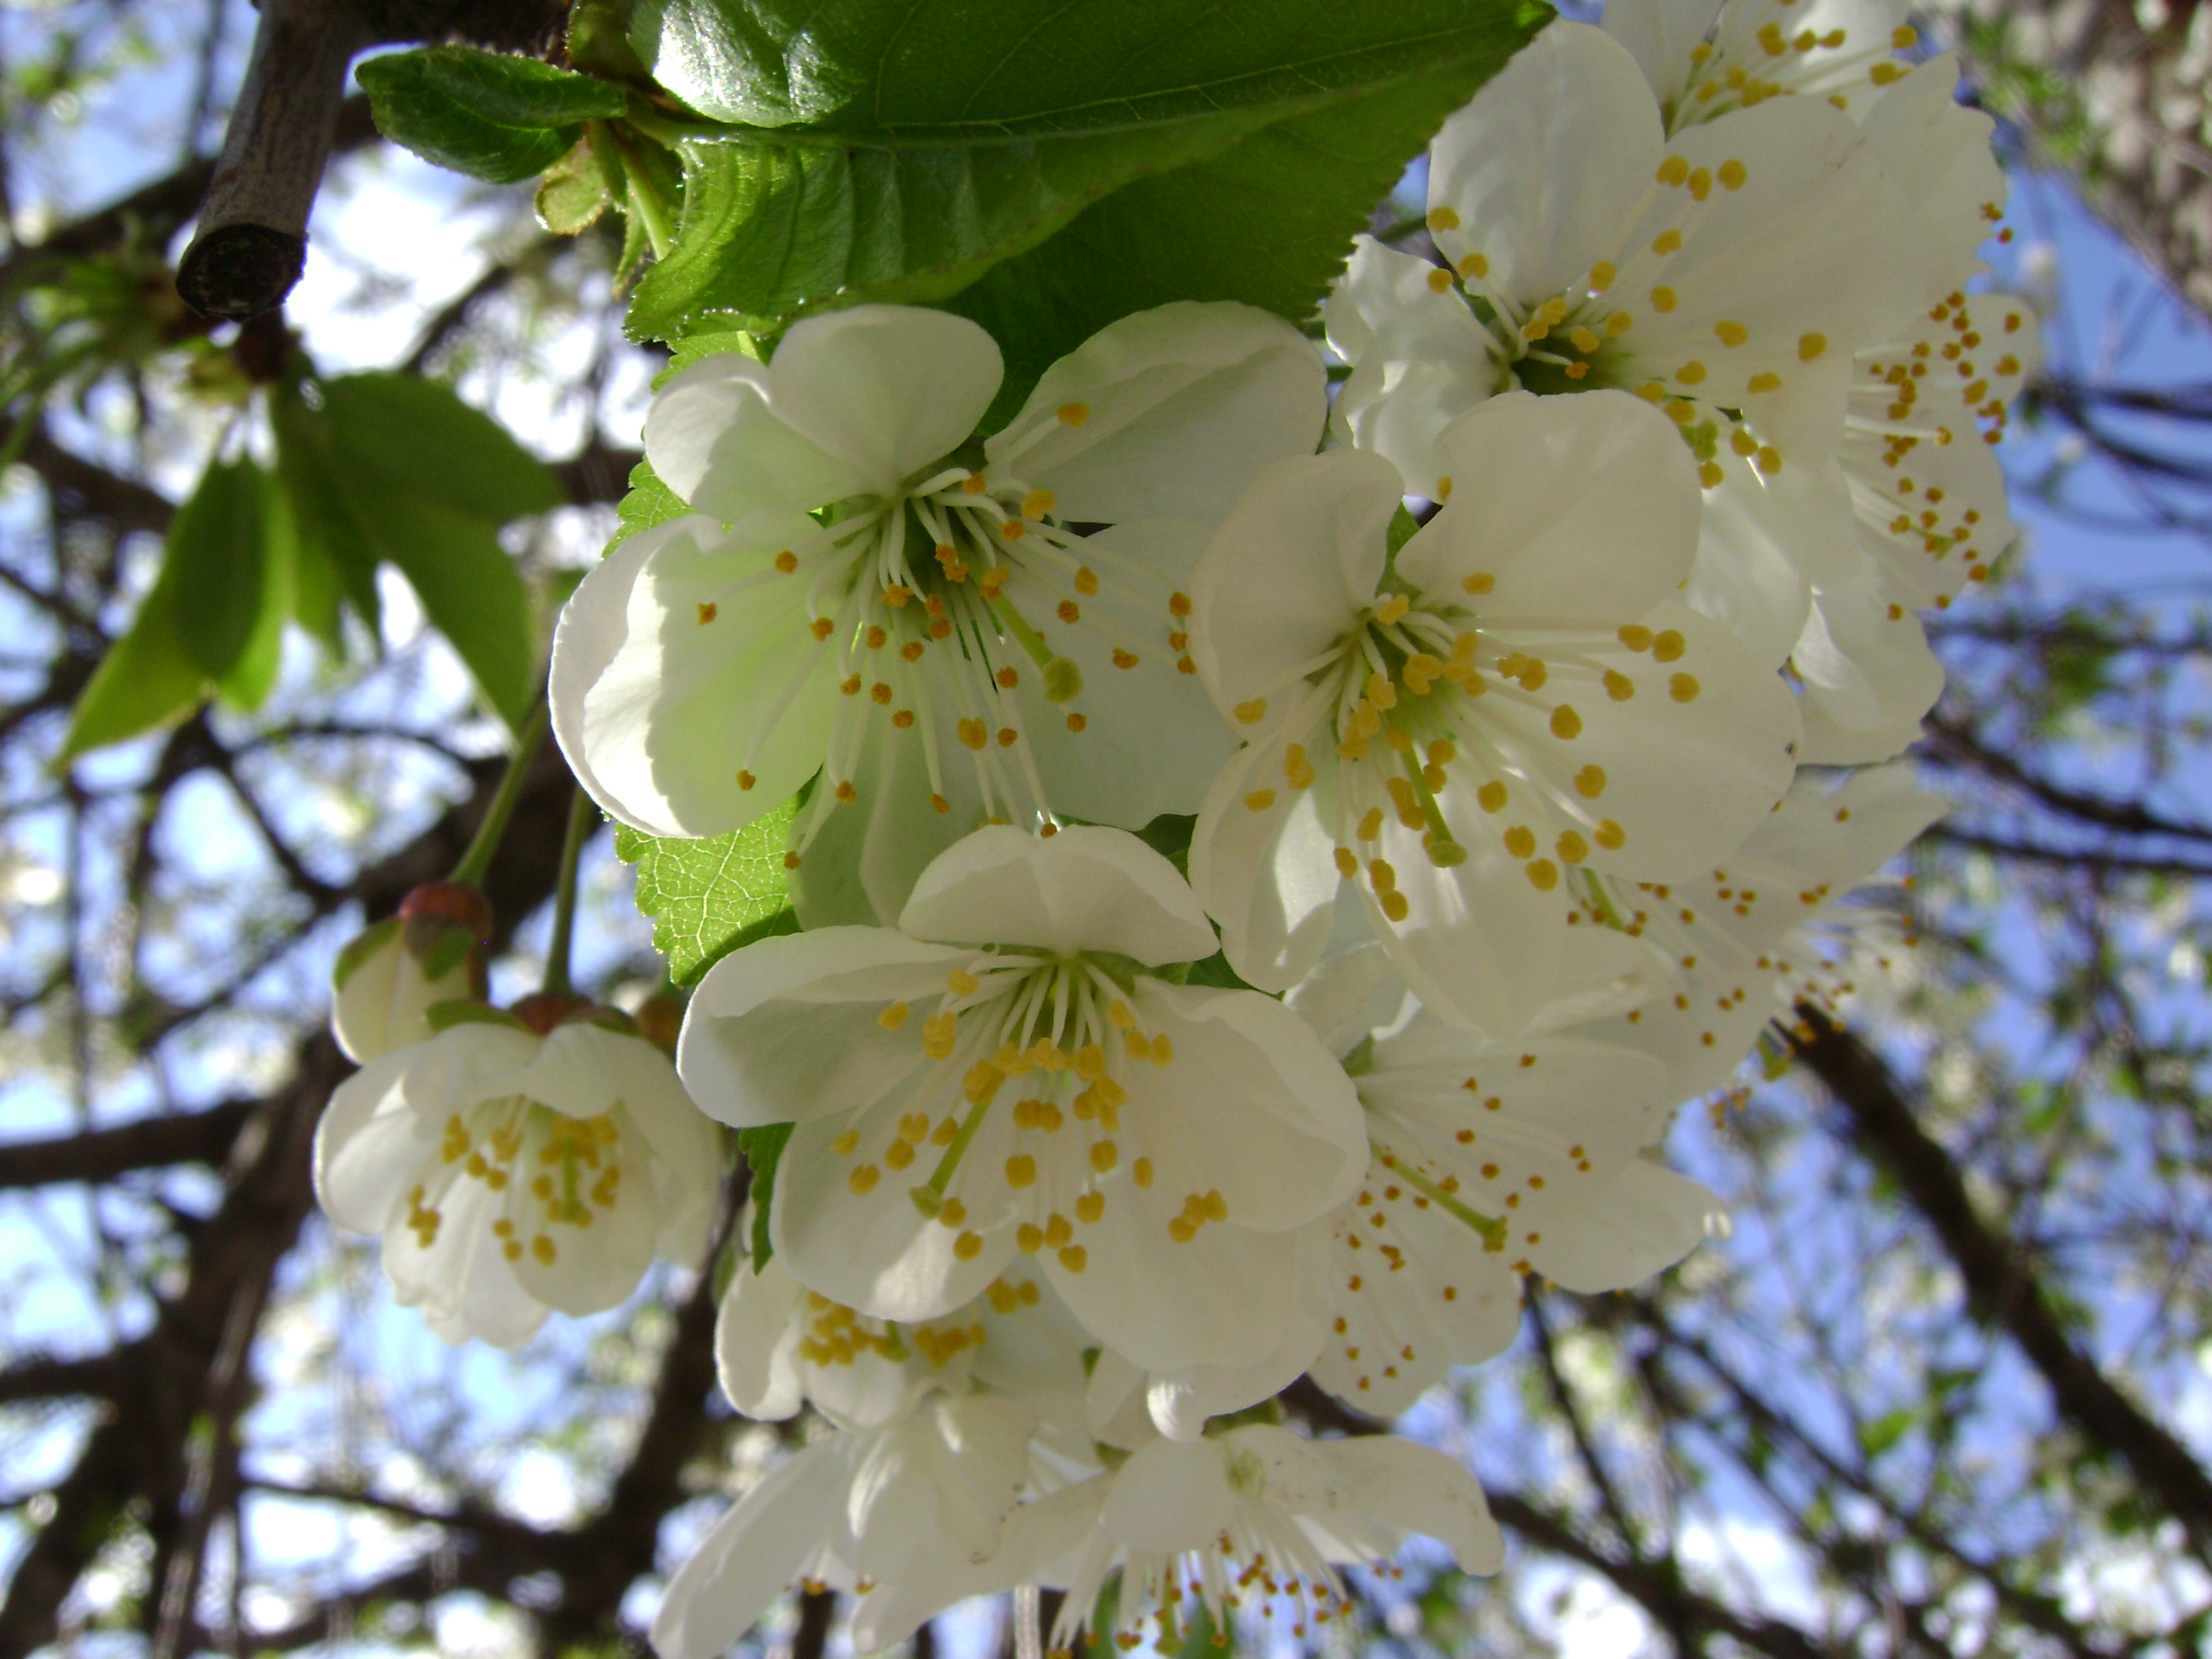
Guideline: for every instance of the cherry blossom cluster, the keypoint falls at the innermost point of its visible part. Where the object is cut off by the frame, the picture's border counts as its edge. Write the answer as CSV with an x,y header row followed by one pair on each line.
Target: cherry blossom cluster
x,y
1497,710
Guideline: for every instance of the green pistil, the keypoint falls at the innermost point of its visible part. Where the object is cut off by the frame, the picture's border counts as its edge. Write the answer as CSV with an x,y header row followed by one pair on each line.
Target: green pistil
x,y
929,1198
1063,680
1443,851
1492,1231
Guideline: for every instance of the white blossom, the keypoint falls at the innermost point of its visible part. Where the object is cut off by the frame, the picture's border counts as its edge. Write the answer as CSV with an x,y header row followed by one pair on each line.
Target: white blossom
x,y
1706,59
511,1173
1164,1142
1255,1518
1749,938
386,980
1461,727
934,634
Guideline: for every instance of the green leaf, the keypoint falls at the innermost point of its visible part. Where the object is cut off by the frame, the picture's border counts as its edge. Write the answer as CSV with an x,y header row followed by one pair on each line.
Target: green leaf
x,y
395,469
419,437
648,502
768,229
1886,1430
863,173
495,117
1012,68
1269,221
217,560
146,680
763,1150
708,897
573,195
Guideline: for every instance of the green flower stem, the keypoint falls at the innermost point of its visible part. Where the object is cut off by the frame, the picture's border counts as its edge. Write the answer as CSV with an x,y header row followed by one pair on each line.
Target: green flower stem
x,y
583,817
471,871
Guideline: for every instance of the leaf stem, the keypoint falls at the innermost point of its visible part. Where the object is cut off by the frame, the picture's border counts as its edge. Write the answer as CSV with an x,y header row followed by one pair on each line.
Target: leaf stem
x,y
583,817
477,861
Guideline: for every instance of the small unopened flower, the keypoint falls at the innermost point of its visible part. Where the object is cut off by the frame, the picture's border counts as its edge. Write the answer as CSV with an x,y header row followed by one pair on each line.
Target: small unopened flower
x,y
385,982
514,1170
1013,1072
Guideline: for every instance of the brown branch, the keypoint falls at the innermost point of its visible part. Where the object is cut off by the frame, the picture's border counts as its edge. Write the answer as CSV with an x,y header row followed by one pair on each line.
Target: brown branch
x,y
101,1376
2001,1288
1951,741
200,1137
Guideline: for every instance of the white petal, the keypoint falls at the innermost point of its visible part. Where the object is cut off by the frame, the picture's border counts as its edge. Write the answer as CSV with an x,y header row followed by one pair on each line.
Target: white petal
x,y
1289,572
1180,1402
1185,403
1578,506
1170,1496
790,1027
1764,544
1420,360
1659,35
1260,1110
1087,888
369,1144
744,1563
1266,876
1150,741
756,1343
687,662
1868,677
1416,1489
1647,1219
886,389
1937,153
1549,161
716,437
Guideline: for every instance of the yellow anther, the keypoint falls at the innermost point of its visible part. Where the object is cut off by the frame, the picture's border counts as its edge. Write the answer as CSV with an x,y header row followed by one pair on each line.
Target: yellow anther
x,y
1710,475
1089,1207
1883,75
1673,170
1074,1258
1618,324
1439,280
1732,174
1057,1231
1583,340
707,613
1904,38
1475,265
1492,796
1589,782
1667,241
863,1179
1141,1173
1566,725
1391,611
1543,874
1571,848
1691,372
1729,334
1701,184
1104,1156
952,1214
1038,503
1028,1239
1380,872
1394,906
1074,414
1371,825
1297,770
1601,275
1535,329
968,1247
898,1154
1347,863
1118,1015
1743,443
1662,299
1162,1049
1442,218
787,561
938,1032
846,1143
1683,688
962,983
1260,799
1769,458
1666,646
1609,835
1252,712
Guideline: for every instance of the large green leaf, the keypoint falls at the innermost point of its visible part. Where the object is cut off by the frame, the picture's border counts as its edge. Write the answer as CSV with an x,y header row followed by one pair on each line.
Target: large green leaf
x,y
769,228
707,897
396,469
217,562
1269,221
1003,69
885,155
146,681
484,113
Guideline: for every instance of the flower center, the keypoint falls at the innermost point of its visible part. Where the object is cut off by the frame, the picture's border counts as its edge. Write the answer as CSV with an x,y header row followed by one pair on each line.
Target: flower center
x,y
1059,1029
570,1169
1752,42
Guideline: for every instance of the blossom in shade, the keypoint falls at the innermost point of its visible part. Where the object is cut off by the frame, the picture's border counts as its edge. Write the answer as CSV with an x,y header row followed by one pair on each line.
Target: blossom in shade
x,y
513,1170
1012,1072
1749,938
864,591
1491,1161
1463,727
1256,1517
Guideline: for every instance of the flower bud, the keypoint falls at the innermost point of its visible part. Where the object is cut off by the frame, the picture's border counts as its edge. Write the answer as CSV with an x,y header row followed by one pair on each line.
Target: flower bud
x,y
385,982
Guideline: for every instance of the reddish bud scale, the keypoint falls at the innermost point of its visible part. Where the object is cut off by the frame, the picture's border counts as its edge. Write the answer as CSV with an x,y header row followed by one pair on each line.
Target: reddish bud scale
x,y
545,1010
450,903
659,1020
